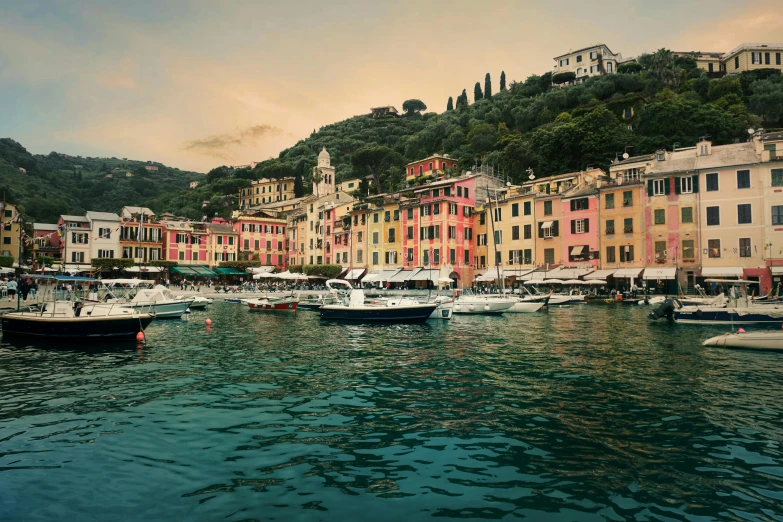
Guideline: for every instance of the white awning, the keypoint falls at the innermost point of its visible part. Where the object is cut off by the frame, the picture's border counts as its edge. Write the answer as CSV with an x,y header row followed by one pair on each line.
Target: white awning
x,y
372,277
547,224
260,269
537,275
569,273
659,273
510,272
723,271
403,275
486,278
426,274
776,270
600,274
577,250
354,274
629,273
386,275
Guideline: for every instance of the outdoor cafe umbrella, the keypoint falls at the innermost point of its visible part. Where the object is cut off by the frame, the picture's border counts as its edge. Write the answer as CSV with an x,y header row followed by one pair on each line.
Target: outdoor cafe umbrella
x,y
595,282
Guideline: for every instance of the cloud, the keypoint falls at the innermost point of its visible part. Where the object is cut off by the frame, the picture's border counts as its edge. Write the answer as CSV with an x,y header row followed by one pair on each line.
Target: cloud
x,y
218,145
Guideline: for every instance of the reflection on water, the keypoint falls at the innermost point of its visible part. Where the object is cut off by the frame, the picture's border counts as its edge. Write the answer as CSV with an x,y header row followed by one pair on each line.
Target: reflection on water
x,y
584,413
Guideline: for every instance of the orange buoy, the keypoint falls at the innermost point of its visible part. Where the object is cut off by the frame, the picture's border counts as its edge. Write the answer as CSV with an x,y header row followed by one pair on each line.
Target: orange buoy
x,y
140,336
741,330
208,321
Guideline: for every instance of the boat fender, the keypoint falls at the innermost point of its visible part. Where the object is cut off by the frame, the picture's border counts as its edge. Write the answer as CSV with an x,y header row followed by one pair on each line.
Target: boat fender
x,y
741,330
140,337
208,321
486,308
471,307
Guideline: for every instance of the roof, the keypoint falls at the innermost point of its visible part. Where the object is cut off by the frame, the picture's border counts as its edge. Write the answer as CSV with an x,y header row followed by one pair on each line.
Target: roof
x,y
584,49
76,219
635,159
772,136
102,216
138,210
221,228
747,46
45,226
727,155
576,192
434,156
677,161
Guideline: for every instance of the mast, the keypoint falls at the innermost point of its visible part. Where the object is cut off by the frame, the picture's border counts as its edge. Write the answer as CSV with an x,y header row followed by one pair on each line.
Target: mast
x,y
494,243
19,259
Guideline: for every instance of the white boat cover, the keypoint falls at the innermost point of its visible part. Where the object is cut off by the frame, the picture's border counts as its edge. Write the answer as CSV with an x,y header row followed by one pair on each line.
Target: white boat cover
x,y
599,274
722,271
668,272
628,273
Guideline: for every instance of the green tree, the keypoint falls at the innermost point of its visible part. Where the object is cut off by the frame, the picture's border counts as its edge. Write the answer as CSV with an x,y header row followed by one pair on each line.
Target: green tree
x,y
487,87
413,106
723,87
450,104
375,161
563,77
477,94
462,100
663,69
502,81
629,68
767,99
482,138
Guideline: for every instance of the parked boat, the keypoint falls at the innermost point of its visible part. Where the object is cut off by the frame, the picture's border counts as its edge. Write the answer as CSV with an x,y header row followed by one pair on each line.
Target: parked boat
x,y
444,311
314,303
534,295
521,307
351,306
490,304
772,341
160,301
286,303
197,302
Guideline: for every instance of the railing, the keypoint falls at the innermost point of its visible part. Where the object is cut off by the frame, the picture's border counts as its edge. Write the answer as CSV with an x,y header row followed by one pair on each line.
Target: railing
x,y
610,230
628,230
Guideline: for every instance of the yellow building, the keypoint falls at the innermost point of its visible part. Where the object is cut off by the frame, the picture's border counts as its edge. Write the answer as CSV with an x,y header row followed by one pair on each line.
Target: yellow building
x,y
262,191
706,61
589,61
516,224
621,217
9,231
770,150
751,56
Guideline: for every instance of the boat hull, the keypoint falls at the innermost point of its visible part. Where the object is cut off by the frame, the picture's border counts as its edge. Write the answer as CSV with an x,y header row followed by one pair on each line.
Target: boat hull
x,y
174,310
726,316
82,329
772,341
525,308
482,306
444,311
264,305
378,314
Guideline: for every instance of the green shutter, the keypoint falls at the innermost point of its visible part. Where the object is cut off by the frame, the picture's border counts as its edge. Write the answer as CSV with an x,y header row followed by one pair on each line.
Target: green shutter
x,y
695,183
650,187
587,225
677,183
555,228
667,186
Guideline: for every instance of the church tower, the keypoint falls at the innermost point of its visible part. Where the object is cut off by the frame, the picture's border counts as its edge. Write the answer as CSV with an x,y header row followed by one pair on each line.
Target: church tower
x,y
326,185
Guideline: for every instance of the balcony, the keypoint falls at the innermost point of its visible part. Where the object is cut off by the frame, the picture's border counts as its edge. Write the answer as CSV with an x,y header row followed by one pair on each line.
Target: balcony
x,y
628,230
609,231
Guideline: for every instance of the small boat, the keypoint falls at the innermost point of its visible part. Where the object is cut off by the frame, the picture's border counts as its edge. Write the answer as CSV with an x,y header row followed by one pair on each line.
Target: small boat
x,y
314,303
196,302
234,300
444,311
522,307
534,295
287,303
160,301
490,304
351,306
772,341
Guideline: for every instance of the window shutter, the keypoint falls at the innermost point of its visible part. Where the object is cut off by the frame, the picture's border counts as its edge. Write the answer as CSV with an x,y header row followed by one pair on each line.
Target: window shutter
x,y
573,206
677,185
555,228
541,230
573,224
587,225
650,187
667,186
695,183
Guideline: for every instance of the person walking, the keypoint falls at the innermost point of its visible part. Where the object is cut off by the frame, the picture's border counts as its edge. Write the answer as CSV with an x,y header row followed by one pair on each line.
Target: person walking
x,y
24,289
11,289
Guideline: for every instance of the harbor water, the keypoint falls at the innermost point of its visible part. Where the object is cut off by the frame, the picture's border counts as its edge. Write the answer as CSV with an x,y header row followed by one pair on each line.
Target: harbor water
x,y
583,413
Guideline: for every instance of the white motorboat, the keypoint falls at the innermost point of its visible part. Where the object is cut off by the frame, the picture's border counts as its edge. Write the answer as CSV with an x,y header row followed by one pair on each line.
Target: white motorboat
x,y
197,302
160,301
444,311
285,303
522,307
490,304
352,307
772,340
534,295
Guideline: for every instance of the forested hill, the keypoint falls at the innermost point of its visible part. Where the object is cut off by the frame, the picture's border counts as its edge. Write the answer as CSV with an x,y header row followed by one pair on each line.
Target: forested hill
x,y
62,184
659,102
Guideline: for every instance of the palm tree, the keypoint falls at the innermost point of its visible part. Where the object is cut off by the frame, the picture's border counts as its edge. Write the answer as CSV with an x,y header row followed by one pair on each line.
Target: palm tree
x,y
317,178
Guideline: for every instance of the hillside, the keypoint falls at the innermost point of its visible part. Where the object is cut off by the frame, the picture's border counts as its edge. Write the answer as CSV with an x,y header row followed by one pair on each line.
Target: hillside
x,y
661,102
61,184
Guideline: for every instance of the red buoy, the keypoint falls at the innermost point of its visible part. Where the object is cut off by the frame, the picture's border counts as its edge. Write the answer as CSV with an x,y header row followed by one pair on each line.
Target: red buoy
x,y
140,336
741,330
208,321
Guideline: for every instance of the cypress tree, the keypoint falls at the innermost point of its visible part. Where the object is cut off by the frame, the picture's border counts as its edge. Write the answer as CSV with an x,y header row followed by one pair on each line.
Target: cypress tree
x,y
503,80
477,95
487,87
450,104
462,99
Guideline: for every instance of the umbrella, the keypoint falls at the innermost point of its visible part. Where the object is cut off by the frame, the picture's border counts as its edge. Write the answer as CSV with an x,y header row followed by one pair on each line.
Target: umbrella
x,y
444,280
263,275
534,282
595,282
573,282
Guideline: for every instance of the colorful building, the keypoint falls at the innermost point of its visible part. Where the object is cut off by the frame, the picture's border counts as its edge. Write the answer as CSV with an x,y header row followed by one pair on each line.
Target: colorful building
x,y
46,240
549,218
770,149
141,236
185,242
580,221
752,56
622,226
517,226
435,165
262,191
76,253
223,243
262,238
9,230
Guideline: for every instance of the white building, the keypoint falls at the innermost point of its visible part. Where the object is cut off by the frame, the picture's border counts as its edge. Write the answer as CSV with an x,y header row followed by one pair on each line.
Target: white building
x,y
589,61
326,185
105,234
75,243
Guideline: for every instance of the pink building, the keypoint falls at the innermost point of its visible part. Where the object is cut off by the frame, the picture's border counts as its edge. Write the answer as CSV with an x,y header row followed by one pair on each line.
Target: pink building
x,y
263,238
185,242
580,225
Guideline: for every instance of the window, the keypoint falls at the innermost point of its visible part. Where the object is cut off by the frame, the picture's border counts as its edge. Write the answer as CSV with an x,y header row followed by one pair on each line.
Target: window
x,y
743,179
628,225
610,226
465,191
483,218
526,208
220,240
527,232
660,250
498,215
626,254
453,209
459,192
610,254
687,249
396,215
628,198
712,182
425,210
436,208
447,190
686,185
387,216
77,257
375,258
481,239
230,240
514,209
452,232
687,215
660,216
777,177
410,213
580,226
515,233
777,215
358,256
426,257
713,216
579,58
436,256
744,247
609,201
358,237
467,257
468,234
744,214
713,248
766,58
579,204
453,256
375,238
103,254
392,235
547,208
549,256
498,237
755,58
246,244
736,62
777,58
104,233
709,67
659,187
631,175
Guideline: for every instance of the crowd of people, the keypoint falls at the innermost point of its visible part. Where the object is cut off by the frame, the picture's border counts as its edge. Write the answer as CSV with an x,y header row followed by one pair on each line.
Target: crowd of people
x,y
24,287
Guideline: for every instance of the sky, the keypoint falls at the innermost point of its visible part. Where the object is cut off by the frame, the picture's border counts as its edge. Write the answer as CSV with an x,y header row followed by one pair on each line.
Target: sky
x,y
202,83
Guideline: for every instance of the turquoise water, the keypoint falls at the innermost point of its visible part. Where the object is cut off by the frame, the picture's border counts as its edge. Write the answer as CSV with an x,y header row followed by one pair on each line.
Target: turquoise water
x,y
584,413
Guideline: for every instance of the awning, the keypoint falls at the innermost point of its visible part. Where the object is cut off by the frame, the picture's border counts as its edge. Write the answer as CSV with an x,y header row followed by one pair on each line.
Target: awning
x,y
776,270
372,277
600,274
261,269
659,273
403,275
547,224
629,273
229,271
569,273
200,271
577,250
183,270
354,274
203,271
510,272
537,275
386,275
426,274
486,277
722,271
